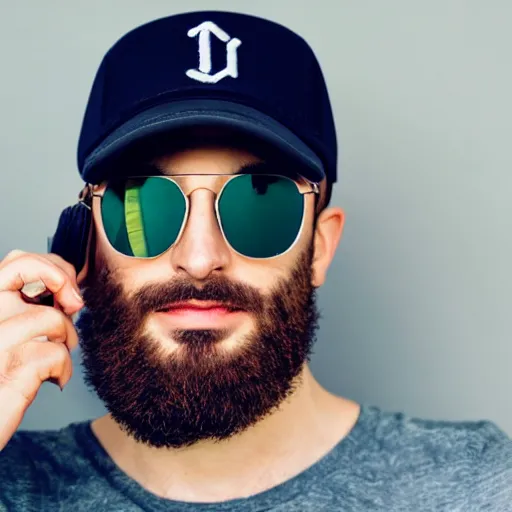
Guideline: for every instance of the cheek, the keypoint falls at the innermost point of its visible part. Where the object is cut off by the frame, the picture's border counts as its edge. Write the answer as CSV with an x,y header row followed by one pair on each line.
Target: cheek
x,y
263,275
124,269
104,255
136,274
258,276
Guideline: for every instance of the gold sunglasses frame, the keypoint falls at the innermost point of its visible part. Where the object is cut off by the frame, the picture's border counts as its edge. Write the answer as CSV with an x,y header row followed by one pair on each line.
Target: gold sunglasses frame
x,y
304,186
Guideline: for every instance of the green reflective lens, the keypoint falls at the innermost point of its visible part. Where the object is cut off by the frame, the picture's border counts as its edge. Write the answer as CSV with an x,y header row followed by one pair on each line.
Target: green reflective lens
x,y
261,215
142,217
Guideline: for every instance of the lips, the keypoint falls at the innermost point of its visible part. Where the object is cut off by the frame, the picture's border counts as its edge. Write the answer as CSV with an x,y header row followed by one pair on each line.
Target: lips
x,y
200,315
198,306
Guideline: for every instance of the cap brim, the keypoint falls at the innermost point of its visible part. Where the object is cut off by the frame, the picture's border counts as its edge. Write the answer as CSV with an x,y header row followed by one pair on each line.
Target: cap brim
x,y
205,112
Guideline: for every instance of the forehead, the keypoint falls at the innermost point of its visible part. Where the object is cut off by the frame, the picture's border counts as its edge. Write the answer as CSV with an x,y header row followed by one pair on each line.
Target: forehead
x,y
206,150
210,159
203,149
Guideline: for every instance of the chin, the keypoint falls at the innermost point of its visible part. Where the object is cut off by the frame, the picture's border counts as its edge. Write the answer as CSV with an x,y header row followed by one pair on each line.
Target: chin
x,y
219,341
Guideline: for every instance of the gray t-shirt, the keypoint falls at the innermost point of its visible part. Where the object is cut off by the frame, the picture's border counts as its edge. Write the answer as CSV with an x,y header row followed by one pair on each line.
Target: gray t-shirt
x,y
388,462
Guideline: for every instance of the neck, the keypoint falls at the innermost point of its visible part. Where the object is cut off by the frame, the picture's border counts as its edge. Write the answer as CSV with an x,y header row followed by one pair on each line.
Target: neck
x,y
265,455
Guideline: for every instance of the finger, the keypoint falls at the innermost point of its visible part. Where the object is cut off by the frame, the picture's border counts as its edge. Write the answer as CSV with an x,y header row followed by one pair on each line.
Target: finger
x,y
12,304
65,266
22,371
27,268
25,367
38,290
11,255
38,321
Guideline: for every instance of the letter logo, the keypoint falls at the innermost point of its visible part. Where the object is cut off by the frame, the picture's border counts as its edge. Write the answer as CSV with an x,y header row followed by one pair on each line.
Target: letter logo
x,y
202,74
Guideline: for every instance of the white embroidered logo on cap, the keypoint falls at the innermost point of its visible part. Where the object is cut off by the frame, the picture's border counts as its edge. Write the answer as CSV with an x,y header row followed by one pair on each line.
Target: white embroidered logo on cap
x,y
205,53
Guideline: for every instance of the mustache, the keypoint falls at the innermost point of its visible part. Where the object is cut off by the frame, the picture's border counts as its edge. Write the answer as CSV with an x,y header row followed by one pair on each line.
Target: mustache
x,y
157,296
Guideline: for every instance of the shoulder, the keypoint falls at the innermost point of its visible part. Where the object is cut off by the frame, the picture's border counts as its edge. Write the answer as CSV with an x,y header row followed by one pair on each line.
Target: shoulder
x,y
470,461
30,445
32,460
437,439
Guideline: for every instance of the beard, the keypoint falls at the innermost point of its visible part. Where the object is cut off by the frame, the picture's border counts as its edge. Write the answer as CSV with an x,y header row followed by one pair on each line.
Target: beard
x,y
170,400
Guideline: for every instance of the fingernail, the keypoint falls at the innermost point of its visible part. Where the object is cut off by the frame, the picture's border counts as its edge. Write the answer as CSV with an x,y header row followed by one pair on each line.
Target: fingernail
x,y
40,338
78,296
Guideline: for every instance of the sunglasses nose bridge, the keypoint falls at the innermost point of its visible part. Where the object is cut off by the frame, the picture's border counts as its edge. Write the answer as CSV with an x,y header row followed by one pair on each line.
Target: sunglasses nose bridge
x,y
191,191
202,209
209,200
202,199
201,249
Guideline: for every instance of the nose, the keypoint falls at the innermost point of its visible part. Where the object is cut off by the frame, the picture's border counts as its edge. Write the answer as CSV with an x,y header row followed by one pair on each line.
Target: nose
x,y
201,249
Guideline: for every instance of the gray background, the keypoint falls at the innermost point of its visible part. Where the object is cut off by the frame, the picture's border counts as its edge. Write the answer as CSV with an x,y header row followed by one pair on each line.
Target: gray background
x,y
417,308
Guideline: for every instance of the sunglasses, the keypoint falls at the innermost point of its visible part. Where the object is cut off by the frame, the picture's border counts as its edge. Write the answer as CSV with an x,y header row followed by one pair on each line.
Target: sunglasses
x,y
259,215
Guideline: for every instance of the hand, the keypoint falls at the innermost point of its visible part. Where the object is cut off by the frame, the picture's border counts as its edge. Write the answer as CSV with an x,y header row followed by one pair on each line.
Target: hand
x,y
35,340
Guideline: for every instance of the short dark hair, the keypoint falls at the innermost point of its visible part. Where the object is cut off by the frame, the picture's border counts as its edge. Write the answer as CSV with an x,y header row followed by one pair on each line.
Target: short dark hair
x,y
328,194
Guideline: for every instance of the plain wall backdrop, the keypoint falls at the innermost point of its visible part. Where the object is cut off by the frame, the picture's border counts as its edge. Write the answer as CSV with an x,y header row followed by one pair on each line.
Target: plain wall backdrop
x,y
417,308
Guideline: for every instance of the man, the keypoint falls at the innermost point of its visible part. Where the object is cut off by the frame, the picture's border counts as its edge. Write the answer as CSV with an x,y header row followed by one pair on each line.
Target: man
x,y
209,152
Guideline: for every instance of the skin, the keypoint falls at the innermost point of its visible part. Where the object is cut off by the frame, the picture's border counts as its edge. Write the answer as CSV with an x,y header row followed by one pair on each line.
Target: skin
x,y
273,450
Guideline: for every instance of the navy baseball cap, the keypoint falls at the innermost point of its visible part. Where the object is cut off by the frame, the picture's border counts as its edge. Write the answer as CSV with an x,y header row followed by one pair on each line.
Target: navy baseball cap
x,y
210,69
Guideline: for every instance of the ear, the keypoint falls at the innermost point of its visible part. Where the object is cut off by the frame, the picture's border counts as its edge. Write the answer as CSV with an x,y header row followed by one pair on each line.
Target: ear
x,y
329,227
